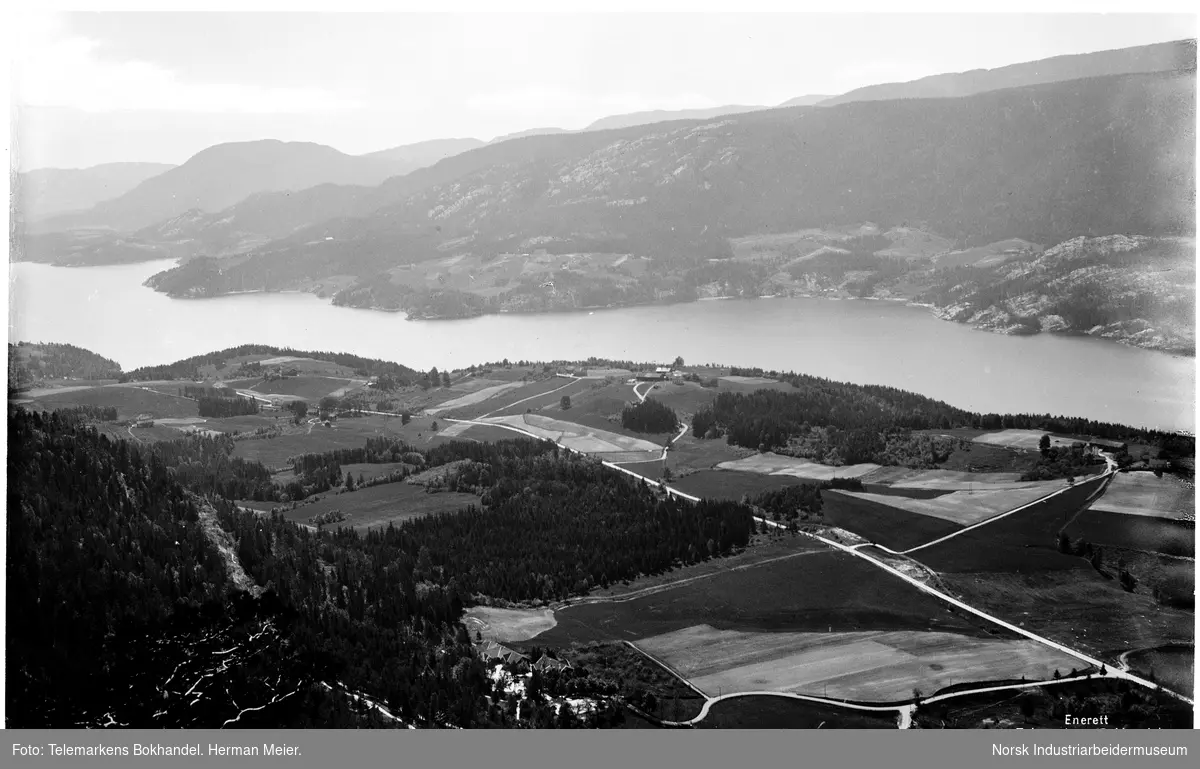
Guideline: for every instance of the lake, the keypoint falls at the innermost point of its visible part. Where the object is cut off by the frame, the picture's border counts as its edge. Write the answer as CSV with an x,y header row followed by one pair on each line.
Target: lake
x,y
107,310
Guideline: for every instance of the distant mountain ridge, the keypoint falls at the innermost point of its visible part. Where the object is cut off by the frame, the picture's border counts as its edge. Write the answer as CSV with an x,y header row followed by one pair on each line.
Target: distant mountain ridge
x,y
664,115
263,216
1042,163
426,153
1175,56
47,191
222,175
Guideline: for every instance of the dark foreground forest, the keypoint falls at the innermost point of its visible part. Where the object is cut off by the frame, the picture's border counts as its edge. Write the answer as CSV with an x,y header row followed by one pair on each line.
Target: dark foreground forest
x,y
116,549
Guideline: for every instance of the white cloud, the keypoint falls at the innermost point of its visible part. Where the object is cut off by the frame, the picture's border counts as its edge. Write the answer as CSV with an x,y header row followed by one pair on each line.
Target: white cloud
x,y
52,68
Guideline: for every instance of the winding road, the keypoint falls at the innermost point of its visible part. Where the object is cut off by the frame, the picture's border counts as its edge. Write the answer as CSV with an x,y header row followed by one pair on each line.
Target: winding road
x,y
906,710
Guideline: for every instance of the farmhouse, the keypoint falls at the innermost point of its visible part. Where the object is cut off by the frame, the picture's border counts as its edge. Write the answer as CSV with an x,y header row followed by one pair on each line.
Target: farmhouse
x,y
545,663
657,375
1106,445
490,651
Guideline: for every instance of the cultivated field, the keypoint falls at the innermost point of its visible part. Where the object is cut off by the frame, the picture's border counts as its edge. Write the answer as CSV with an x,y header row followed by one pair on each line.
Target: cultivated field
x,y
729,484
1173,666
579,437
130,401
507,625
489,389
868,666
346,433
966,507
815,591
764,712
530,395
1138,532
369,470
953,480
749,380
1076,607
884,523
1021,439
1144,494
770,463
381,505
1024,541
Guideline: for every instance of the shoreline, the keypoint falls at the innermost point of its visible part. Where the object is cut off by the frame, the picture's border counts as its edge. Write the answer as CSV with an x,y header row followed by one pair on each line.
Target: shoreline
x,y
1173,351
929,308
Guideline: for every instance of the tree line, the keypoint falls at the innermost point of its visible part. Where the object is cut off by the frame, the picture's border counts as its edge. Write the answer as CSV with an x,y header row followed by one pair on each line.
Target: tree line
x,y
862,421
189,368
649,416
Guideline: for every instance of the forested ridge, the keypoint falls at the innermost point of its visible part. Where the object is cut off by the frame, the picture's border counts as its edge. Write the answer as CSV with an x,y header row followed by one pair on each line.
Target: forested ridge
x,y
843,423
189,368
29,363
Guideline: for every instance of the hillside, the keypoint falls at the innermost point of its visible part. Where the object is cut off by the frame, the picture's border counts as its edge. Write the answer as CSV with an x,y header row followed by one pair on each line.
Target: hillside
x,y
1043,164
222,175
806,101
425,153
1179,55
47,191
663,115
30,363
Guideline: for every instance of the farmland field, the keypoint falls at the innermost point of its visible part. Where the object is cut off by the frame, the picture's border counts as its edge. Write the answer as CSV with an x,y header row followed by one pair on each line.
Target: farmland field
x,y
950,480
766,712
1173,665
1145,494
529,395
1153,535
383,504
730,484
814,591
1075,607
870,666
489,389
578,437
965,507
886,524
369,470
1021,439
770,463
1024,541
129,401
507,625
308,388
346,433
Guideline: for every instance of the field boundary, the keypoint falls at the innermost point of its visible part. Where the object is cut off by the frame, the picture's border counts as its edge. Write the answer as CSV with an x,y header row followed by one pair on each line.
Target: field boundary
x,y
1105,478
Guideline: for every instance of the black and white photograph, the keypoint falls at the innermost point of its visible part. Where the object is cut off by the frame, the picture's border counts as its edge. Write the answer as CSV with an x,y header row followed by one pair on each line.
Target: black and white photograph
x,y
584,370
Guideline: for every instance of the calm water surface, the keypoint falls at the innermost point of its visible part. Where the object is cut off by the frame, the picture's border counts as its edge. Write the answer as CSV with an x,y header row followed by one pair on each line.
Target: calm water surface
x,y
106,309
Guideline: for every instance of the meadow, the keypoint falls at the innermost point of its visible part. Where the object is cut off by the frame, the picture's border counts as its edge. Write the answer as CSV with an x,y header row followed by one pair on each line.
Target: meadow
x,y
965,507
1021,542
765,712
1077,607
1173,665
886,524
1152,535
130,401
1144,494
817,591
380,505
871,666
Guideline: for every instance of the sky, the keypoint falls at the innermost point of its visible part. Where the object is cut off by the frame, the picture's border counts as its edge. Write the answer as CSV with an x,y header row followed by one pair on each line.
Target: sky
x,y
92,88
